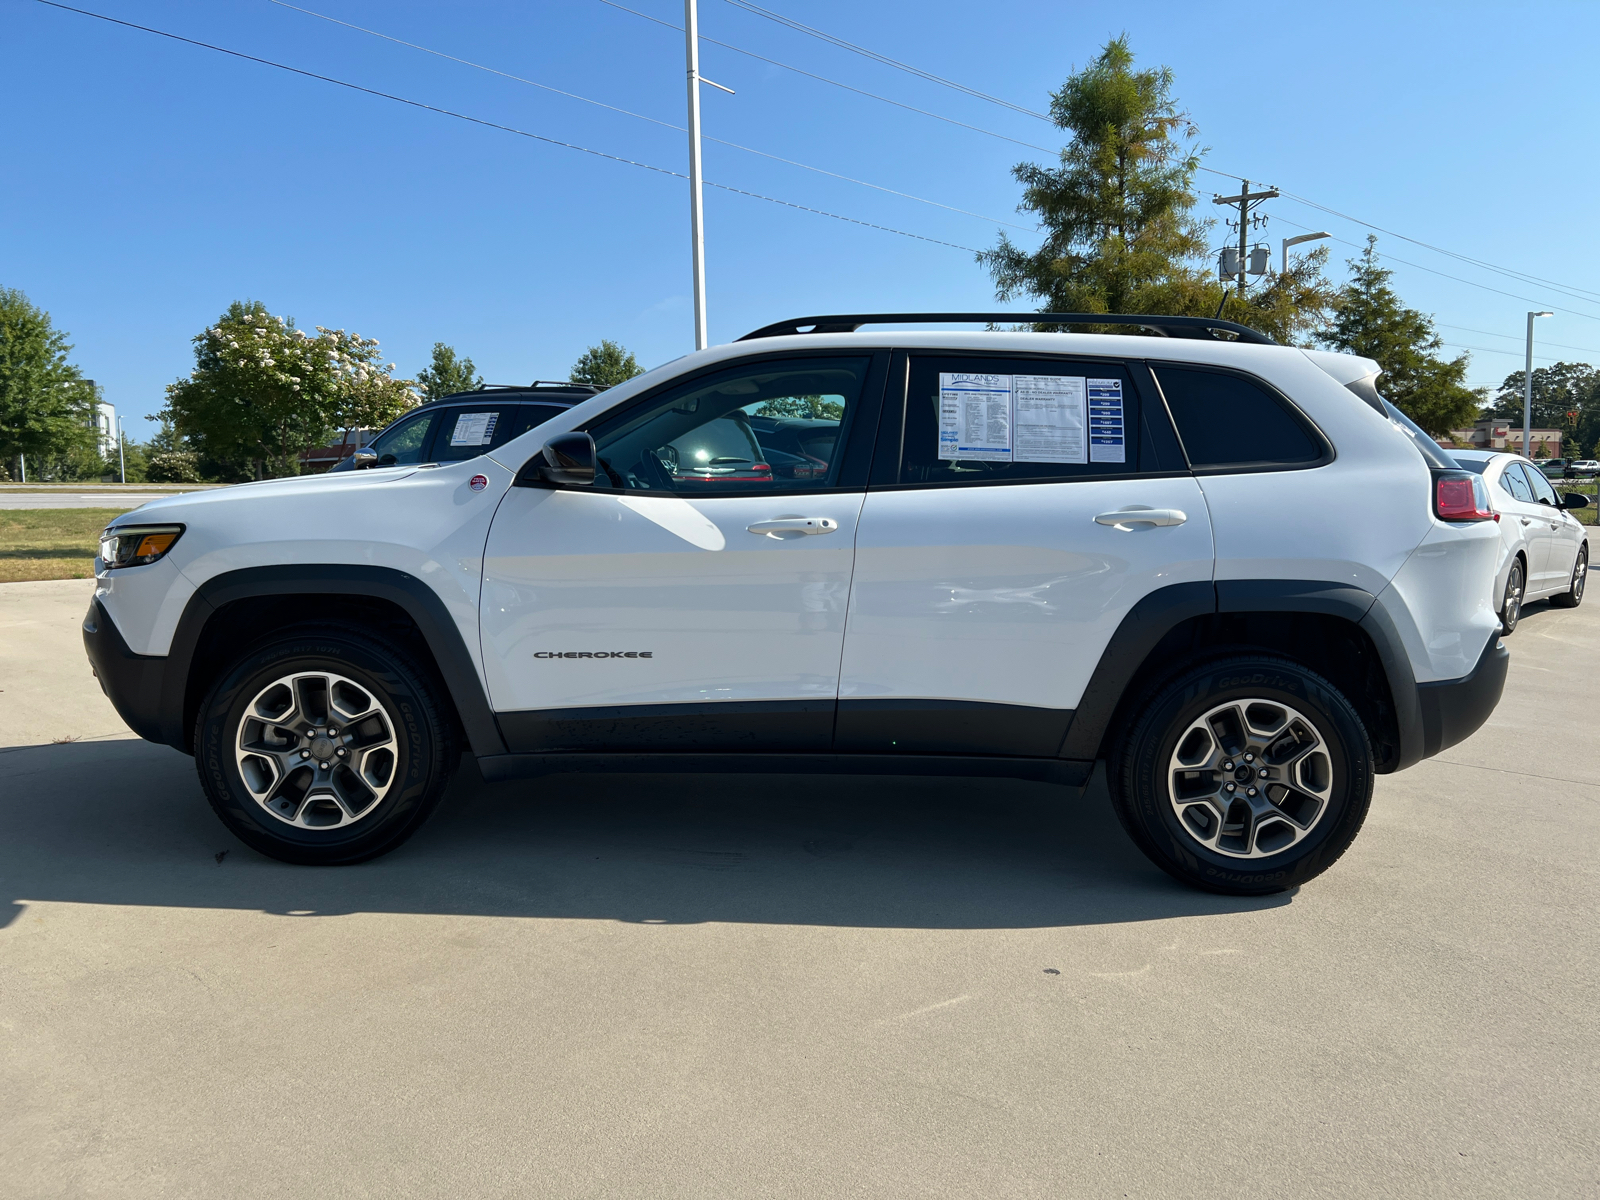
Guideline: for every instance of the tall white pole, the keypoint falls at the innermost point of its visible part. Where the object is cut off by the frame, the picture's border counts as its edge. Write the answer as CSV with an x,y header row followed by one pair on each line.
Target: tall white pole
x,y
697,233
1527,388
122,458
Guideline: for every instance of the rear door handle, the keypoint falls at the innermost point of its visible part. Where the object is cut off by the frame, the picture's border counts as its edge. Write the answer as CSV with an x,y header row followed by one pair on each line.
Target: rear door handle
x,y
794,526
1138,515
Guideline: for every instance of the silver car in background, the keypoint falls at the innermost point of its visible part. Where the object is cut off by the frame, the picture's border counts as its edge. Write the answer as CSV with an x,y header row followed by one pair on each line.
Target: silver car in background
x,y
1544,550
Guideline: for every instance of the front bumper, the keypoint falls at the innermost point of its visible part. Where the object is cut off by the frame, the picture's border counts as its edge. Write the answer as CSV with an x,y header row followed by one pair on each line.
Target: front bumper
x,y
132,682
1454,709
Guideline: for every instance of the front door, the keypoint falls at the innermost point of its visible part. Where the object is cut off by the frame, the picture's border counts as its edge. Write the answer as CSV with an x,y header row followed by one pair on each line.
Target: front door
x,y
695,599
1018,512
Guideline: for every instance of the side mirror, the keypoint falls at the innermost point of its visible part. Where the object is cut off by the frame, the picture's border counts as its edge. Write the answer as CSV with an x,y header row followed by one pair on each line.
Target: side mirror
x,y
364,458
1574,500
567,460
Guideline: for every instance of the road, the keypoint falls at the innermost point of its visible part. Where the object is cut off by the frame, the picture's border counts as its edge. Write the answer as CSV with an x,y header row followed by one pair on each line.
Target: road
x,y
86,496
745,987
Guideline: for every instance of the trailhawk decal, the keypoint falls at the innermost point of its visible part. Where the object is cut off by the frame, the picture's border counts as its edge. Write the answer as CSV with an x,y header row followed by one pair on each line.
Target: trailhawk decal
x,y
595,654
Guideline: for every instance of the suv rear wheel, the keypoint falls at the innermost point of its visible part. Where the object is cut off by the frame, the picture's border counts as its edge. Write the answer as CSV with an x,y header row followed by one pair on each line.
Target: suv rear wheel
x,y
324,746
1245,775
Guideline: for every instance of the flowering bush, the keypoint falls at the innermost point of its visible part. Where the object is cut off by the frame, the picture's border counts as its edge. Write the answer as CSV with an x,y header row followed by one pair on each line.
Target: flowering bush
x,y
262,390
173,466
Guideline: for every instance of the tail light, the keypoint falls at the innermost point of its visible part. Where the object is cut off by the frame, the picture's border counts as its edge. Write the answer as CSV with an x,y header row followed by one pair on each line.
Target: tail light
x,y
1461,496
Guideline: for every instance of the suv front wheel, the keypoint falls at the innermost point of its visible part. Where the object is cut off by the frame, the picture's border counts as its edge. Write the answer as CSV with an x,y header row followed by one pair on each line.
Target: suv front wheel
x,y
324,746
1246,775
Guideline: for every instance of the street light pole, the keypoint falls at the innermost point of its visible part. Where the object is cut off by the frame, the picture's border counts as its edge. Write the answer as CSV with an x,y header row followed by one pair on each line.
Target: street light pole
x,y
122,458
1527,390
1295,241
697,232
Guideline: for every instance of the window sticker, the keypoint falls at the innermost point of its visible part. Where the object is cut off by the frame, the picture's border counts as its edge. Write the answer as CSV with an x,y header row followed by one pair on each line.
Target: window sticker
x,y
1050,421
974,416
1018,418
474,429
1107,435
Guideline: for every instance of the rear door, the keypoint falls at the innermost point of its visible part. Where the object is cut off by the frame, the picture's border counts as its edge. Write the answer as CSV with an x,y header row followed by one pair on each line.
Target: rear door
x,y
1002,542
694,600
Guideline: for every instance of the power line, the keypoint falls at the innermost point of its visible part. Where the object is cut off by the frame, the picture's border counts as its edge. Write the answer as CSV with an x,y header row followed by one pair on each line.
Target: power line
x,y
1515,337
833,82
538,137
642,117
1572,312
883,58
1491,350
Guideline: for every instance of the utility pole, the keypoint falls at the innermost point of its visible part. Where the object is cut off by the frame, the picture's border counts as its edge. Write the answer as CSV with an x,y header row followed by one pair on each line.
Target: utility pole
x,y
1245,201
697,232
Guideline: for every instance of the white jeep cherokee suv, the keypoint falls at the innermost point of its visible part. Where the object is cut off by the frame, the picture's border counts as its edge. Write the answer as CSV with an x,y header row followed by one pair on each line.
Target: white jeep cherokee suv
x,y
1227,568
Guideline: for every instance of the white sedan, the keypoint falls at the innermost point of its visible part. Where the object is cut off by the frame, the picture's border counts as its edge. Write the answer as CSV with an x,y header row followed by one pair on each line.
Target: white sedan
x,y
1544,550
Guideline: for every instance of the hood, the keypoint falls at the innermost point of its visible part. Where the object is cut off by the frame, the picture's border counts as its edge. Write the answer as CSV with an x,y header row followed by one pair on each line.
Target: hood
x,y
343,483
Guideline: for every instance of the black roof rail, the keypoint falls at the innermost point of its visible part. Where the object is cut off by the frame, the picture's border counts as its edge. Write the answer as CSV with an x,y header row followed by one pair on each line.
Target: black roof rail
x,y
1181,327
548,386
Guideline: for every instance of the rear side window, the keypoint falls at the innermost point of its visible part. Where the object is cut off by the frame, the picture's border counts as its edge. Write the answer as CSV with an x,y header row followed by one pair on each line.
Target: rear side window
x,y
979,420
534,415
1512,480
1228,421
468,432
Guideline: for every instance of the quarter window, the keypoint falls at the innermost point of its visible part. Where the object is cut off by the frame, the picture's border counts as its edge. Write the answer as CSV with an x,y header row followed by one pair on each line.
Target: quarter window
x,y
762,427
1228,421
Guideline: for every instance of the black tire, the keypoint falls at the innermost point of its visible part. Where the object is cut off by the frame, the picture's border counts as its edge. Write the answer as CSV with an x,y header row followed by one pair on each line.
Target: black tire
x,y
1142,776
1511,602
1573,596
415,722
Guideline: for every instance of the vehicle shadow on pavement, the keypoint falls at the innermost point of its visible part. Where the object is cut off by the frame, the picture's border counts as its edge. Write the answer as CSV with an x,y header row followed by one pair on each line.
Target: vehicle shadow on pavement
x,y
124,822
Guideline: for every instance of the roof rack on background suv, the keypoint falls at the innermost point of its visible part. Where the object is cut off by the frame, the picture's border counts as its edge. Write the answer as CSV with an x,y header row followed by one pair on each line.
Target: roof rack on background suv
x,y
557,386
1181,327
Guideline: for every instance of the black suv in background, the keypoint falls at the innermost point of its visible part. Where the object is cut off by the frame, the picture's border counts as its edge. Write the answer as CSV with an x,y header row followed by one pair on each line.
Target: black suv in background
x,y
467,424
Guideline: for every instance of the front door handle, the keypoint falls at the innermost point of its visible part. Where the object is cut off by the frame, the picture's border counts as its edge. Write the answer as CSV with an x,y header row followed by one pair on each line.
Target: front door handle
x,y
787,527
1138,515
1527,520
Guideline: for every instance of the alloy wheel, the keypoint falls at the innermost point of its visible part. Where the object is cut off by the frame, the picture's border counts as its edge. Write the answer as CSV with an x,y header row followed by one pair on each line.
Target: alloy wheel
x,y
1250,778
316,750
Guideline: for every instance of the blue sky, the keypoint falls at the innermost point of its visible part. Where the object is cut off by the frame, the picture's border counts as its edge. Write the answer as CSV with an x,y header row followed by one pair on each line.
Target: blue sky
x,y
148,183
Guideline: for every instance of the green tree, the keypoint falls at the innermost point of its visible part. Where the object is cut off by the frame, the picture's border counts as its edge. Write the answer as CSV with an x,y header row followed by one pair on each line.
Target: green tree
x,y
605,365
1566,396
262,390
447,374
46,406
1370,320
1117,213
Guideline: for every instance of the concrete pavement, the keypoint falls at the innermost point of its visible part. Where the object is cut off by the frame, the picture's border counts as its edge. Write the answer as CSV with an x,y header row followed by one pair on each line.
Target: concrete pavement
x,y
733,986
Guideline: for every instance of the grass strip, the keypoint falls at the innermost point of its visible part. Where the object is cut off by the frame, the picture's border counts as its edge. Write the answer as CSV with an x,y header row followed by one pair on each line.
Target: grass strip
x,y
51,543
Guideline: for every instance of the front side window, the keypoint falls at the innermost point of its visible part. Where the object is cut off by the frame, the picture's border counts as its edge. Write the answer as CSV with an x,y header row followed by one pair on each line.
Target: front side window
x,y
1513,481
403,443
1226,420
762,427
976,419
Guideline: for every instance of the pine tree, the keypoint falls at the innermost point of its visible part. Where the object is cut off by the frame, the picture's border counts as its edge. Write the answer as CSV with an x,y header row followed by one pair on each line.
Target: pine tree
x,y
605,365
1369,320
447,374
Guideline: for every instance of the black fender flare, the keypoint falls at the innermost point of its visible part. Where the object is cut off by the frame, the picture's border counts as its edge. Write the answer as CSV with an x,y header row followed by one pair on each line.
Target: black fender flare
x,y
410,594
1162,610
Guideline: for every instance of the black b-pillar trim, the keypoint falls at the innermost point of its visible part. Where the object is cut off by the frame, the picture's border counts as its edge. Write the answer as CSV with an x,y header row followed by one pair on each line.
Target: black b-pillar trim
x,y
419,601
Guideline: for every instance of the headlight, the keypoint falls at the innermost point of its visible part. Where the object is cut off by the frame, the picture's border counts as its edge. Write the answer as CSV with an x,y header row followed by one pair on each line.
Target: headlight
x,y
137,545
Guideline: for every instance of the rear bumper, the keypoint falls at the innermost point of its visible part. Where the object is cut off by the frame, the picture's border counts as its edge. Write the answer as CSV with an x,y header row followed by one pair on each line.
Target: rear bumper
x,y
132,682
1454,709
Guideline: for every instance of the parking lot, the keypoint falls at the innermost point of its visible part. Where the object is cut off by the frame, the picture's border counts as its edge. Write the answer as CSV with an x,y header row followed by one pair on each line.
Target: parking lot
x,y
738,986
